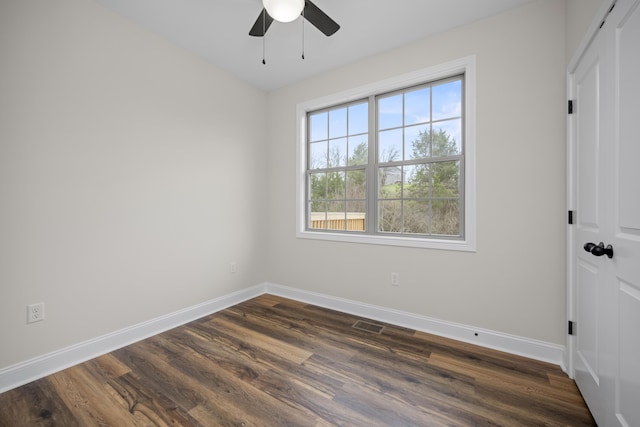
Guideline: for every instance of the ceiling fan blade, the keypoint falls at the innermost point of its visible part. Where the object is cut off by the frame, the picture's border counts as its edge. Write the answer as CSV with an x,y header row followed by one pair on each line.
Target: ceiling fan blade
x,y
319,19
262,24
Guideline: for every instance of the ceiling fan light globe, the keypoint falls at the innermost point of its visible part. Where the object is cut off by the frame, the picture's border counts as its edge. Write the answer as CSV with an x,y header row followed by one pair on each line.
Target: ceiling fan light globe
x,y
283,10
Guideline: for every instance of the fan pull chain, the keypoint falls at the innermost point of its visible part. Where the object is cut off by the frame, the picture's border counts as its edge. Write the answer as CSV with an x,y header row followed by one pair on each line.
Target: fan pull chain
x,y
264,35
303,34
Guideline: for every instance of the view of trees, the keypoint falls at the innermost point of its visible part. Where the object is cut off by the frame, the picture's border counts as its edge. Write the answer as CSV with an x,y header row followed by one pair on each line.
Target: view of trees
x,y
341,191
416,195
420,197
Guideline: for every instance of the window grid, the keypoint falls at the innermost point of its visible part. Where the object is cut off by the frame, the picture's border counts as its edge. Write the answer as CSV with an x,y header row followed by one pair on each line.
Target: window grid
x,y
336,187
425,222
429,194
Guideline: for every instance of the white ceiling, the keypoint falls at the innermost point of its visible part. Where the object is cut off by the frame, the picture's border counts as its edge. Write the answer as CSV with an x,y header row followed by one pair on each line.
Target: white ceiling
x,y
218,31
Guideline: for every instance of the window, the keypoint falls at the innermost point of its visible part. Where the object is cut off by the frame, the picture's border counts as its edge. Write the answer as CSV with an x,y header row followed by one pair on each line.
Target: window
x,y
392,163
337,168
420,151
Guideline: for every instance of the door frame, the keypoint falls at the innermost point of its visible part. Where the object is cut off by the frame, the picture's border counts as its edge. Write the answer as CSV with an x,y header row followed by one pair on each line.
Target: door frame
x,y
571,184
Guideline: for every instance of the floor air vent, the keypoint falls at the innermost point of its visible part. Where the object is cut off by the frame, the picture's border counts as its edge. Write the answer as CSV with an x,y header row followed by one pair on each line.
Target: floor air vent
x,y
368,326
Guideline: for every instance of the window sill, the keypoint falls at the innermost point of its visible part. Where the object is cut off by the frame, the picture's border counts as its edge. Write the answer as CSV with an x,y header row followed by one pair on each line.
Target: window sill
x,y
412,242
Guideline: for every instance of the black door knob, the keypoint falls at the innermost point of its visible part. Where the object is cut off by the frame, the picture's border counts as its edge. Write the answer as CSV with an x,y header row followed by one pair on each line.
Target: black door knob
x,y
599,249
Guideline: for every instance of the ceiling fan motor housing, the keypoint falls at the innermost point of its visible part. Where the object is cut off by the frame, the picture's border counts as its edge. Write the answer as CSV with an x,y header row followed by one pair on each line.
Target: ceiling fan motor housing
x,y
284,10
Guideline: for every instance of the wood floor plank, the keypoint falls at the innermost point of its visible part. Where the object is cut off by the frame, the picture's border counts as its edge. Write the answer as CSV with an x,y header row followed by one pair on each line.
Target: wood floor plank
x,y
319,330
140,397
271,361
276,346
426,389
89,401
220,352
384,411
34,404
108,366
514,380
222,391
298,331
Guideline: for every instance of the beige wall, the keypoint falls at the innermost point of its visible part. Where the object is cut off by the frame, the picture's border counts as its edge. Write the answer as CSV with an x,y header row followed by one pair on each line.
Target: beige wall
x,y
128,177
515,282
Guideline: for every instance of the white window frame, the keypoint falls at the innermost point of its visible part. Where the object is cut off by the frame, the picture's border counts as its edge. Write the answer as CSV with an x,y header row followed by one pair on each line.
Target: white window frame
x,y
466,66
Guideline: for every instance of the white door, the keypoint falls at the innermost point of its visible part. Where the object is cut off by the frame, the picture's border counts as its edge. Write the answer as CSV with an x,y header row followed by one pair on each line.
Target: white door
x,y
605,194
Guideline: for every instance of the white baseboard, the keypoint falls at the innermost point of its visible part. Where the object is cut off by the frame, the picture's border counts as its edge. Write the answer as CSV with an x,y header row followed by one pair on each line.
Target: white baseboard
x,y
527,347
41,366
47,364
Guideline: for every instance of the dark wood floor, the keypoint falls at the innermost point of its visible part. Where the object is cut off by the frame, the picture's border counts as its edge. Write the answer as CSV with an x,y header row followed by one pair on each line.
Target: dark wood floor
x,y
276,362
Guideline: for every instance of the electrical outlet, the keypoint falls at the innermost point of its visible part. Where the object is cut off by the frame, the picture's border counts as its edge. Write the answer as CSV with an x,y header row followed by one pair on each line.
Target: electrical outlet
x,y
35,312
233,267
395,279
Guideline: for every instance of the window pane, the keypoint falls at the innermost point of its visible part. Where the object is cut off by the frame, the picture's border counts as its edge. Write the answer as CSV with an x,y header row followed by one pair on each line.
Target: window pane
x,y
318,186
336,217
446,217
335,186
358,150
335,210
390,216
317,215
446,177
390,112
318,155
356,184
356,215
338,152
338,123
358,118
447,100
418,178
390,146
447,138
389,182
416,142
416,217
318,126
416,106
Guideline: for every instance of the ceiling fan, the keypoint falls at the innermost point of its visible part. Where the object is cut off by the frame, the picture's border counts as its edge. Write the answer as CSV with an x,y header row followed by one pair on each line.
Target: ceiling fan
x,y
287,11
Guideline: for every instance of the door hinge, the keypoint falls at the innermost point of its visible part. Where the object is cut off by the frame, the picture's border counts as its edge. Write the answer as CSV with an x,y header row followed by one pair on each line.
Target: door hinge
x,y
570,217
571,328
570,106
